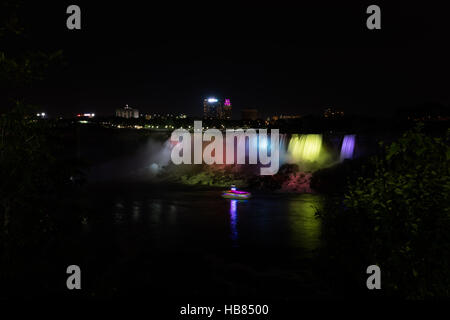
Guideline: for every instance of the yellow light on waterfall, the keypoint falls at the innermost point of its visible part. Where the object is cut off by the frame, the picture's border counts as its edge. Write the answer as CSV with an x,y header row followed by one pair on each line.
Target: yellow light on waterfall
x,y
305,147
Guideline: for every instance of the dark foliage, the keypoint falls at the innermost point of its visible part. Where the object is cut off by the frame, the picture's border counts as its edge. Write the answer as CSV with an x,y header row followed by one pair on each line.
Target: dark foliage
x,y
397,217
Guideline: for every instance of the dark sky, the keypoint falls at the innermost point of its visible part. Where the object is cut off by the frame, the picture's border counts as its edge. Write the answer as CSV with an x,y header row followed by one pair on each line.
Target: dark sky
x,y
280,57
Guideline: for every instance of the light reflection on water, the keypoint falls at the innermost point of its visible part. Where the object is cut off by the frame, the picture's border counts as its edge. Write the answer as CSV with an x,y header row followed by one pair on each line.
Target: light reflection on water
x,y
172,214
155,207
205,219
119,211
234,217
233,221
136,210
305,226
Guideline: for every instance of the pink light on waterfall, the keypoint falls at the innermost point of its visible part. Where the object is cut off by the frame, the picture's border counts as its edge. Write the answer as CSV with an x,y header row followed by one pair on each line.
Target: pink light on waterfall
x,y
348,147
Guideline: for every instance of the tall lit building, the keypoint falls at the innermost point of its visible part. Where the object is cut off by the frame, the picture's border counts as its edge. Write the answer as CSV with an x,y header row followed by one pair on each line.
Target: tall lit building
x,y
212,109
227,111
127,112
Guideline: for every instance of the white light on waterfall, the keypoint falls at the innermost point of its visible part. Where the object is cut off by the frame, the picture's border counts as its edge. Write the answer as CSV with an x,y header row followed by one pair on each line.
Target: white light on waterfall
x,y
262,142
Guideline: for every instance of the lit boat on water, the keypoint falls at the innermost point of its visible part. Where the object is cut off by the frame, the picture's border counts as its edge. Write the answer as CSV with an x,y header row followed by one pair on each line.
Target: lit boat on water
x,y
236,194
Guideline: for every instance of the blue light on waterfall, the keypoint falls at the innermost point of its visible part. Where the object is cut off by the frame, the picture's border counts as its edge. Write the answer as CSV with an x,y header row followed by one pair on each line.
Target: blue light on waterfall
x,y
348,147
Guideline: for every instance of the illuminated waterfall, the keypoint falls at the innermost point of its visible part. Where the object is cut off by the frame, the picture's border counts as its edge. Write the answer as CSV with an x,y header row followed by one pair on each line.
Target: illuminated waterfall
x,y
305,147
263,144
348,146
282,149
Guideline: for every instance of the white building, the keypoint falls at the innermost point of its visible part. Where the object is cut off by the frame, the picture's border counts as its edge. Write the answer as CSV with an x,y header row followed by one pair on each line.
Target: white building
x,y
127,112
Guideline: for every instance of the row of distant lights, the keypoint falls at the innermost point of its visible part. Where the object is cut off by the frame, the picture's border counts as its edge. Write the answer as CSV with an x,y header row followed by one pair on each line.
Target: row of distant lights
x,y
172,127
181,116
166,127
90,115
169,127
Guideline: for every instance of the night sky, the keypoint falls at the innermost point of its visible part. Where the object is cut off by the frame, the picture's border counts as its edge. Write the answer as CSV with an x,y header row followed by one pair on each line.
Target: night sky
x,y
276,57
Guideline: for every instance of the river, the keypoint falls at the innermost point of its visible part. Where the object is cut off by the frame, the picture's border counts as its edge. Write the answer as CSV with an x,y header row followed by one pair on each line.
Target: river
x,y
197,244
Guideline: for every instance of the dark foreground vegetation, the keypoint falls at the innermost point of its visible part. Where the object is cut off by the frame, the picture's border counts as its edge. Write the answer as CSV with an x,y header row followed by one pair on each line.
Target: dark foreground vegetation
x,y
392,210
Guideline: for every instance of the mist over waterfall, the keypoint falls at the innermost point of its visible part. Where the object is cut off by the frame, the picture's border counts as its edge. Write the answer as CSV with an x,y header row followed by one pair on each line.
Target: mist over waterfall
x,y
147,157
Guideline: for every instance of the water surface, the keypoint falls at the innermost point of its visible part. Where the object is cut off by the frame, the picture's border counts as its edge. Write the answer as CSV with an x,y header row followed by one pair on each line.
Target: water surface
x,y
194,243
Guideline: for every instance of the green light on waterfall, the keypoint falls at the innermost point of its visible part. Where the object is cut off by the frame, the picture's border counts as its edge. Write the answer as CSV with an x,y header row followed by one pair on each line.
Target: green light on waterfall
x,y
305,147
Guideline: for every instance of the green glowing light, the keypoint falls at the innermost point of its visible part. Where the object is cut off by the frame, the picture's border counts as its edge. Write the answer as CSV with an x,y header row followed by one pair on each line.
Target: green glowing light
x,y
305,228
305,147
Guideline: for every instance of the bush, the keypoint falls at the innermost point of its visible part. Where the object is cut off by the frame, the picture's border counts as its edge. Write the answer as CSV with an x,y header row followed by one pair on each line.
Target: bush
x,y
334,179
34,176
398,218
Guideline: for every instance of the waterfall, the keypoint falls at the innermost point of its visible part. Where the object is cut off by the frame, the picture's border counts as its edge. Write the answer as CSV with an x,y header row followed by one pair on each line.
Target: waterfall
x,y
305,147
348,146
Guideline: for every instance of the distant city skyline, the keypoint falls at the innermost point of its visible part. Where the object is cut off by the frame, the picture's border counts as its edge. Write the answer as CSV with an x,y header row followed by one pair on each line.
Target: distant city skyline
x,y
293,66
